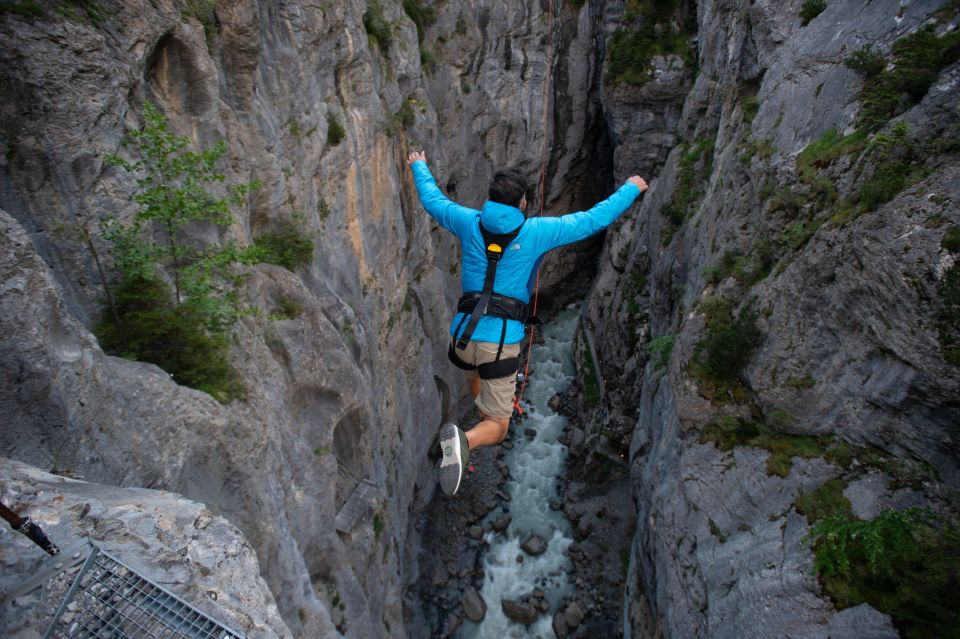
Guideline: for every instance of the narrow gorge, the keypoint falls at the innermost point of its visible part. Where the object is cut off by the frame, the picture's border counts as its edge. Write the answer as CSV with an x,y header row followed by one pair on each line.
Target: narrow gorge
x,y
769,346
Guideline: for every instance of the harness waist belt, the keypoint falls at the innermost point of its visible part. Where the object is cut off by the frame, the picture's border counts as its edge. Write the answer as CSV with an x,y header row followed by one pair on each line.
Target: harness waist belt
x,y
499,306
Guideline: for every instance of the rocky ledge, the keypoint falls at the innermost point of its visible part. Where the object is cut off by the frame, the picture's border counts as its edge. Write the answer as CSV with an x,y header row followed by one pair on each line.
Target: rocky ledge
x,y
170,540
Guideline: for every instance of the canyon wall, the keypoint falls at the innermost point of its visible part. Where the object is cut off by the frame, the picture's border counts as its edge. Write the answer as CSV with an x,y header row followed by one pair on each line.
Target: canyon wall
x,y
354,386
849,315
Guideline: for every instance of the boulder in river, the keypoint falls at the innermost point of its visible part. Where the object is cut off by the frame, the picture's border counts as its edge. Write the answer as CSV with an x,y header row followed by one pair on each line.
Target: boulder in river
x,y
554,403
474,607
559,625
573,615
534,544
501,522
519,611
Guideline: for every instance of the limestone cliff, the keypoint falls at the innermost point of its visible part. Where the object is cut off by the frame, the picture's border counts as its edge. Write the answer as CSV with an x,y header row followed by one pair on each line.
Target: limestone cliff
x,y
846,301
356,385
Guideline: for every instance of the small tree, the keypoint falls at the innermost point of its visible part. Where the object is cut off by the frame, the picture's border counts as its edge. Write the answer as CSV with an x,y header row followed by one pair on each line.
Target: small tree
x,y
182,330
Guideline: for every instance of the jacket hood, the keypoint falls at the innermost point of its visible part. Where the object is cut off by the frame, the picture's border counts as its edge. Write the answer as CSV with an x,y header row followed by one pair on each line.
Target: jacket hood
x,y
500,218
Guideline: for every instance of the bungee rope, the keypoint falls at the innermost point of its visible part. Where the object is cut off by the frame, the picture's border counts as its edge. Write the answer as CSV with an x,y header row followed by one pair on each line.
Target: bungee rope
x,y
543,173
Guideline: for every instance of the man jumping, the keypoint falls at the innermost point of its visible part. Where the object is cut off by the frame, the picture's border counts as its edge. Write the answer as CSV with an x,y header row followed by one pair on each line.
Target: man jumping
x,y
500,253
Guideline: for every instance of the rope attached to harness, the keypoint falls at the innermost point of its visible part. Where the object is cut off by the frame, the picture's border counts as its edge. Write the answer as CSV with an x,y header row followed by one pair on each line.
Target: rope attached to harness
x,y
543,173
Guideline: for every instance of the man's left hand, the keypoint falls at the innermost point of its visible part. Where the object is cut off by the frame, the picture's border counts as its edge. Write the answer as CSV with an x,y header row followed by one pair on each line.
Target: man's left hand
x,y
416,155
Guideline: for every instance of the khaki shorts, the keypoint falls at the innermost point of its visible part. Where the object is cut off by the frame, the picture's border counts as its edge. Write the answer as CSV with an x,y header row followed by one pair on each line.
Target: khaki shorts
x,y
496,395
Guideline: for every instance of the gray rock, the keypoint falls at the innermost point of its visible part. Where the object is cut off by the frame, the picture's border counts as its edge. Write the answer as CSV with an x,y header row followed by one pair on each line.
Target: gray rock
x,y
575,441
502,522
475,532
861,621
474,607
534,544
170,540
573,615
519,611
452,625
559,625
554,403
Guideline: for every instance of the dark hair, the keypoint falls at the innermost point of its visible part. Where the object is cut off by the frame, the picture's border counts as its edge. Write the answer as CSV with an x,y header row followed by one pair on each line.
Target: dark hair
x,y
508,187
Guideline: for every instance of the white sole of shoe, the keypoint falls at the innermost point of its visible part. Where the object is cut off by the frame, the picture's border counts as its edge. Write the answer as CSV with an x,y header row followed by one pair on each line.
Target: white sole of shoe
x,y
451,468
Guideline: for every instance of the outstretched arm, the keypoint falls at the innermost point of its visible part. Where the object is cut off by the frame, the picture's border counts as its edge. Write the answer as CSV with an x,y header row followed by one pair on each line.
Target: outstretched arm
x,y
446,212
577,226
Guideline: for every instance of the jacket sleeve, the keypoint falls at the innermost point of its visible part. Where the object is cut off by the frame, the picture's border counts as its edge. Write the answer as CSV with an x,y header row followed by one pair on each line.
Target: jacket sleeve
x,y
450,215
557,231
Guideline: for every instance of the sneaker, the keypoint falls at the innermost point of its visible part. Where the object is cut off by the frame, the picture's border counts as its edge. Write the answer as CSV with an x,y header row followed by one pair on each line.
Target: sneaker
x,y
456,450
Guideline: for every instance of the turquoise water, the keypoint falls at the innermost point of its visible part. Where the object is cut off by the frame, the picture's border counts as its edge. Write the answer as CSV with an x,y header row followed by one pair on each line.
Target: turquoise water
x,y
535,466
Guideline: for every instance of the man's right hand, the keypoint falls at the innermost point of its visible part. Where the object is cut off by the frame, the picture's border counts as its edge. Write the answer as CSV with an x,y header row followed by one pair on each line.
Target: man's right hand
x,y
638,182
416,155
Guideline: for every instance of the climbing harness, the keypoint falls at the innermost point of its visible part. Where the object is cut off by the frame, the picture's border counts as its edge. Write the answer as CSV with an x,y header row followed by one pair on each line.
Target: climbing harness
x,y
489,303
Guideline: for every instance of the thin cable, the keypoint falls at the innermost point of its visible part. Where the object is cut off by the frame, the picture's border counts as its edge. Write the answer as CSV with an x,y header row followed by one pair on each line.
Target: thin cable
x,y
543,174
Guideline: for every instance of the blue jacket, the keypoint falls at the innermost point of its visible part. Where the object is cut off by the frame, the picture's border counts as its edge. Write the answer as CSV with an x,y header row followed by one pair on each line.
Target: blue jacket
x,y
517,268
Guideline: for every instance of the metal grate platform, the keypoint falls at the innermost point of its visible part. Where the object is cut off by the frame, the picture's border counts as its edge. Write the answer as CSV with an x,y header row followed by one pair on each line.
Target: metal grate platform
x,y
109,600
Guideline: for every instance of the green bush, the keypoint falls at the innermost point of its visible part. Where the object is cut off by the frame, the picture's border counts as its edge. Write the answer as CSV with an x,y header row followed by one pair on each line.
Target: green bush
x,y
660,349
183,330
750,104
204,11
826,149
747,269
811,9
377,27
694,165
787,200
867,61
25,8
903,563
173,336
729,344
631,50
918,59
897,165
797,234
291,247
951,239
422,16
825,501
335,131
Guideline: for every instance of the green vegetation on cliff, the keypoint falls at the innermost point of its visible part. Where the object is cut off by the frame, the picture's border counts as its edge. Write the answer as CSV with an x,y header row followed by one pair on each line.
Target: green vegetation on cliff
x,y
649,32
176,300
729,432
903,563
693,168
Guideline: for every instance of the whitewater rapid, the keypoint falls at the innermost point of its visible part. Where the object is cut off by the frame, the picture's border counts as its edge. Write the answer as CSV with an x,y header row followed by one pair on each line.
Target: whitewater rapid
x,y
535,466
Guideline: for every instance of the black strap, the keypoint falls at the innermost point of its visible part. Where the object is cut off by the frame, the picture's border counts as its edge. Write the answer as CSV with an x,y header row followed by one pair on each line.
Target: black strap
x,y
499,368
499,306
491,370
495,244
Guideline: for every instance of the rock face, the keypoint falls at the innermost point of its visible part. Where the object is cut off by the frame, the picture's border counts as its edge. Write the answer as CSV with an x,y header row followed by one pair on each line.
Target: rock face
x,y
180,544
356,386
849,318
